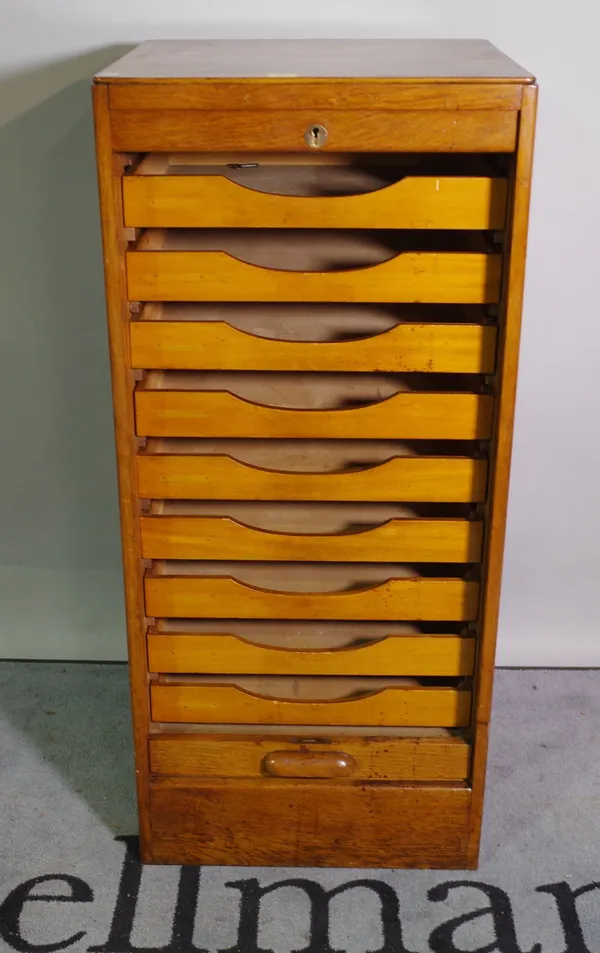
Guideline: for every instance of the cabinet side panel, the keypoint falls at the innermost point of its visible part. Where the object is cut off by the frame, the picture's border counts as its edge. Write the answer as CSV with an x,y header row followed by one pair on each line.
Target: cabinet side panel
x,y
110,169
508,360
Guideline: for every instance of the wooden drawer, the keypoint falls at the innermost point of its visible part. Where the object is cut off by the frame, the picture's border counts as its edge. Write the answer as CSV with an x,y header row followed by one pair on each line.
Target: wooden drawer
x,y
306,265
163,341
283,130
239,647
169,191
371,591
437,756
186,404
464,278
339,470
319,532
270,700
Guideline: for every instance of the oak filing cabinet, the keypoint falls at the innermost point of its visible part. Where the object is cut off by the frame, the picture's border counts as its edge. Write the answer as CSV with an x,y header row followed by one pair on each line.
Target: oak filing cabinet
x,y
314,257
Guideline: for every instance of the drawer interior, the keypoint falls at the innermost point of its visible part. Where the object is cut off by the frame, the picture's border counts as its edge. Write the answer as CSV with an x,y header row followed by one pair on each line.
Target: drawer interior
x,y
310,456
317,322
324,174
308,518
313,636
166,729
305,577
314,391
306,688
276,177
304,250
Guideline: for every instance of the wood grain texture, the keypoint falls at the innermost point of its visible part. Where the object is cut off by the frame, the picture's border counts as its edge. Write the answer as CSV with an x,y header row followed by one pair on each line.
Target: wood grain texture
x,y
276,93
333,94
443,707
215,345
215,477
310,824
404,416
205,201
309,764
503,434
181,653
356,60
109,178
221,597
398,540
428,277
243,756
282,130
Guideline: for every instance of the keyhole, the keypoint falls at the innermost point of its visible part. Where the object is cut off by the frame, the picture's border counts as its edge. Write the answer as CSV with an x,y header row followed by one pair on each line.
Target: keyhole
x,y
315,136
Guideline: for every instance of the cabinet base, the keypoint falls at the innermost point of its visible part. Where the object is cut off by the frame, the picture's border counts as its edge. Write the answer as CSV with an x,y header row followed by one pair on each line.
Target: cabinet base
x,y
314,824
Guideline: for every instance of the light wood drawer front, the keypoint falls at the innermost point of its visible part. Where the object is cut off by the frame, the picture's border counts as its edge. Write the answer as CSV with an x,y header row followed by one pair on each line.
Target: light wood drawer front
x,y
394,707
428,277
309,823
153,130
181,653
215,345
214,201
221,597
398,540
441,758
404,416
411,479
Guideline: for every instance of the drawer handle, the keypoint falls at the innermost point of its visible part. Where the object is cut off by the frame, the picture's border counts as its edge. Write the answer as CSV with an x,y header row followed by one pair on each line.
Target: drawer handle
x,y
309,764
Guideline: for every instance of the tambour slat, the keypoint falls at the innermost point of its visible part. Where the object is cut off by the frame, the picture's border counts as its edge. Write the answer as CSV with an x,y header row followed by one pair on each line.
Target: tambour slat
x,y
398,540
442,655
429,277
197,345
222,596
425,416
444,707
205,201
213,477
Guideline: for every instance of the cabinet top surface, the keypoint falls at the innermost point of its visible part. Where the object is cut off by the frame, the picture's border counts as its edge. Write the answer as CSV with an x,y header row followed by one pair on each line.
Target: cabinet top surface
x,y
404,60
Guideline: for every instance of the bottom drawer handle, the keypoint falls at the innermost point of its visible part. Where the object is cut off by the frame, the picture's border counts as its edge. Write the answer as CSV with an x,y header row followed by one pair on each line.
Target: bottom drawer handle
x,y
308,764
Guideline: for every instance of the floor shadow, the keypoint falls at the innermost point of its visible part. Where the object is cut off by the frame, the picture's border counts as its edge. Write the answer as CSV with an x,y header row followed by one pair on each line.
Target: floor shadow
x,y
75,718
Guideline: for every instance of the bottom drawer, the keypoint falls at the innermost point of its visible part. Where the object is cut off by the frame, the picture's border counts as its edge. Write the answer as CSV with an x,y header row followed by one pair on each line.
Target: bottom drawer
x,y
308,823
408,755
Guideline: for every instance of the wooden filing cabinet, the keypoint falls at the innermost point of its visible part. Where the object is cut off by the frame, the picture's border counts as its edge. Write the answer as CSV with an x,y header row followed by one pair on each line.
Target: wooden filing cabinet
x,y
314,256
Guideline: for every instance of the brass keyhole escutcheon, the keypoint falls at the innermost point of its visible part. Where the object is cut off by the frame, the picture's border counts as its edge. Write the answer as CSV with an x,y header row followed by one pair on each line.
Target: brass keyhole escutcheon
x,y
315,136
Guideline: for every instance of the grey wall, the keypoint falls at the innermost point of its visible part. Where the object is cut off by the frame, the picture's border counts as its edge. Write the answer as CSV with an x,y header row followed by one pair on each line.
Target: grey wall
x,y
60,590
